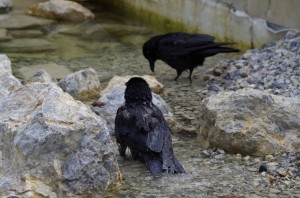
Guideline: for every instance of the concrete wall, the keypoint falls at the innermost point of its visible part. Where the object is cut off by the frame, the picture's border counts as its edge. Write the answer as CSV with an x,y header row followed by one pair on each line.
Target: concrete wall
x,y
282,12
242,21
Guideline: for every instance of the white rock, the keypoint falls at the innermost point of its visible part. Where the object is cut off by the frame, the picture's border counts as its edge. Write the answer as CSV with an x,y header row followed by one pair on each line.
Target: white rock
x,y
8,83
56,145
112,98
83,84
61,10
5,64
42,76
250,122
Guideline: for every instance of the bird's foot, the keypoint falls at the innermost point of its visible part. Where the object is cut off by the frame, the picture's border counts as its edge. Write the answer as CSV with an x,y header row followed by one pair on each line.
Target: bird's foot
x,y
168,169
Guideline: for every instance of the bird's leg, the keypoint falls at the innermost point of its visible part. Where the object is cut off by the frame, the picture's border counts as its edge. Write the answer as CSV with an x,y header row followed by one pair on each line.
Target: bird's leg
x,y
178,74
135,154
190,76
122,149
168,165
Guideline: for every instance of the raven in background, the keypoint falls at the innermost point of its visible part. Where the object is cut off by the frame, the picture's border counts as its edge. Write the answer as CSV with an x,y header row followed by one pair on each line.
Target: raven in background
x,y
183,51
141,126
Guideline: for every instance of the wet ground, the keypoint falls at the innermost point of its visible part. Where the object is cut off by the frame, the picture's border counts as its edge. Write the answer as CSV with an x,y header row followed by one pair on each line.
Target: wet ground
x,y
112,46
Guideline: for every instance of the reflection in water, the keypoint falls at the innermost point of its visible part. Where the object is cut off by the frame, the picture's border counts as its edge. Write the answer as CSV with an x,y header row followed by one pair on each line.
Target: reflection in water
x,y
37,41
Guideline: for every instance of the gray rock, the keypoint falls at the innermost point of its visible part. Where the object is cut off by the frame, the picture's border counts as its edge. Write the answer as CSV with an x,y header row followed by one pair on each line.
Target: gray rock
x,y
42,76
6,6
273,68
113,97
61,10
5,64
53,145
82,85
282,172
8,82
250,122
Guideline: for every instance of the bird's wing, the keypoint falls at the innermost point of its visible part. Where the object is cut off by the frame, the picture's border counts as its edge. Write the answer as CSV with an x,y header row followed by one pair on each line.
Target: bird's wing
x,y
177,44
121,123
141,127
152,123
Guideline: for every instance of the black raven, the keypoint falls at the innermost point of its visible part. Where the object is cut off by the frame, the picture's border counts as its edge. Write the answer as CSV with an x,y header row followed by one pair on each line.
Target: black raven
x,y
183,51
141,126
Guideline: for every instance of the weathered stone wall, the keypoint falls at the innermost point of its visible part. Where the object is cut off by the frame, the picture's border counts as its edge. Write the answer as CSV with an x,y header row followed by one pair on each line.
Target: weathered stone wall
x,y
244,22
285,13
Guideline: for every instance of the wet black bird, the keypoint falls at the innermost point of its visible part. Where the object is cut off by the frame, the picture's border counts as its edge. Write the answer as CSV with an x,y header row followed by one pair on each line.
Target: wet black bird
x,y
183,51
141,126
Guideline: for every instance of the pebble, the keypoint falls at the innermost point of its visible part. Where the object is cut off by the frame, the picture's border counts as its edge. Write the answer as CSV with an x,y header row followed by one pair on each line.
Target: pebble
x,y
275,191
247,158
282,172
273,67
263,168
269,157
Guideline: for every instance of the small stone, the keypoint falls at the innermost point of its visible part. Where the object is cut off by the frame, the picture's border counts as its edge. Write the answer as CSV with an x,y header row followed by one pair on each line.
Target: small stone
x,y
275,191
272,179
238,156
247,158
287,183
42,76
256,160
263,168
221,151
282,172
206,77
217,72
269,157
82,85
243,74
205,153
219,156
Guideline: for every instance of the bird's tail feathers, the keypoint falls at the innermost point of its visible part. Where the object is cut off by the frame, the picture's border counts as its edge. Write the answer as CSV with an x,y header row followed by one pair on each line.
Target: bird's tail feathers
x,y
216,48
207,46
153,164
178,167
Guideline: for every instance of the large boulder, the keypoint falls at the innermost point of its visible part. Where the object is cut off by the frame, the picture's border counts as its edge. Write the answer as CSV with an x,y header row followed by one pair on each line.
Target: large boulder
x,y
112,98
8,82
53,146
5,64
82,85
61,10
250,122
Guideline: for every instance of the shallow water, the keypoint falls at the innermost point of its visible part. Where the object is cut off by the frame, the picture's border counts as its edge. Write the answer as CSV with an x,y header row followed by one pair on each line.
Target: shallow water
x,y
112,46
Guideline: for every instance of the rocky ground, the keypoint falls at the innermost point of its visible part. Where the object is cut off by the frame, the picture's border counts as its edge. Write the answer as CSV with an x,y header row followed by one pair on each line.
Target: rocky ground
x,y
210,172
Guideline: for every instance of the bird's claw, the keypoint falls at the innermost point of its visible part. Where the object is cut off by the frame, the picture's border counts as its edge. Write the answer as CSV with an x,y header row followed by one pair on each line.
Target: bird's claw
x,y
168,169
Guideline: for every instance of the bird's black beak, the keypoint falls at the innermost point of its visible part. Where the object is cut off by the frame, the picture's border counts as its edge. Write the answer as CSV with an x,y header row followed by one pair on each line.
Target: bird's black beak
x,y
152,62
